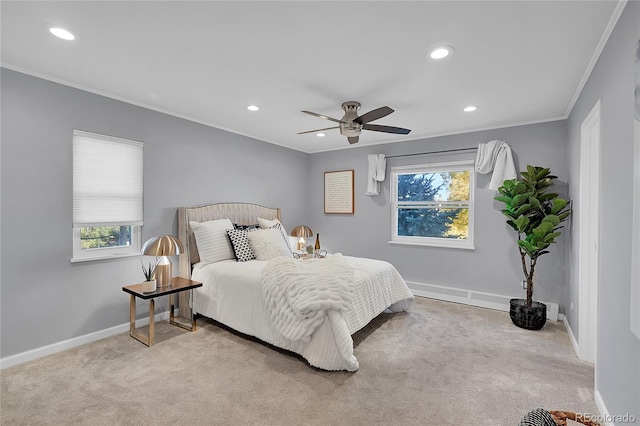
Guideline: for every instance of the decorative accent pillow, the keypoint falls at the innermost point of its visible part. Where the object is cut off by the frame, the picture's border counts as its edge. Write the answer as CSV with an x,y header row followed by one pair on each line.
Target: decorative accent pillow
x,y
267,243
285,237
247,227
267,223
240,243
211,238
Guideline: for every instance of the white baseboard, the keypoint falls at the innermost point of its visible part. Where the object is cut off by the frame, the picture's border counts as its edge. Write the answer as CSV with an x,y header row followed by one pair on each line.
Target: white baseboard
x,y
474,298
76,341
604,413
572,337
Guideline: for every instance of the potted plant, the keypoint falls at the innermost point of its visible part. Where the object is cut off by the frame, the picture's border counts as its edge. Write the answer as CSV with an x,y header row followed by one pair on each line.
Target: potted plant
x,y
535,215
149,284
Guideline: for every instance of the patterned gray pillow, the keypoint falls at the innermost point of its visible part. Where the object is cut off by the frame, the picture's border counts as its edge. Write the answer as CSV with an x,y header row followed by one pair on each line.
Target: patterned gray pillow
x,y
240,243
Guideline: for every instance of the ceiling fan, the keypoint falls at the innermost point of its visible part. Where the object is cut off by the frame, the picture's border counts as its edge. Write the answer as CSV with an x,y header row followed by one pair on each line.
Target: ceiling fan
x,y
351,124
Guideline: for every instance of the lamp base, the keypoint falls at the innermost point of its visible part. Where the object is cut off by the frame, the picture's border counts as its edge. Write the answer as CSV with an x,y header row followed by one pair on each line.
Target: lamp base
x,y
163,274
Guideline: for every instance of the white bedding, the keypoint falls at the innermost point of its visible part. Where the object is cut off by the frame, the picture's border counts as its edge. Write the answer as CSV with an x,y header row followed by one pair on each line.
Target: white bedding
x,y
232,295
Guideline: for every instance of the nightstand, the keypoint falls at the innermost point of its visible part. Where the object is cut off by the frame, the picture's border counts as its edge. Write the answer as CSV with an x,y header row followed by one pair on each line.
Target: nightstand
x,y
178,284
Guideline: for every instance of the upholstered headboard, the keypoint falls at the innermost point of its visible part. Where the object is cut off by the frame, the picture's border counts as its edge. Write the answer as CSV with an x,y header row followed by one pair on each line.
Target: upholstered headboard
x,y
241,213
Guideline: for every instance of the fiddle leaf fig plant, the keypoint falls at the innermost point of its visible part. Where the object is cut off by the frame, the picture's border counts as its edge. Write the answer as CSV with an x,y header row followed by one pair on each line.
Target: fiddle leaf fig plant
x,y
534,214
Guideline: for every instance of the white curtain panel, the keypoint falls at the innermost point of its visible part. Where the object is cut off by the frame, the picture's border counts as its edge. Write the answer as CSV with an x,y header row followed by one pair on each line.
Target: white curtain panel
x,y
496,156
377,167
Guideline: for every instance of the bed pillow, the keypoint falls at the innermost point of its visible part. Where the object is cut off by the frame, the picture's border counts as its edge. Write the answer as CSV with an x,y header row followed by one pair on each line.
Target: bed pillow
x,y
268,223
211,238
247,227
240,242
267,243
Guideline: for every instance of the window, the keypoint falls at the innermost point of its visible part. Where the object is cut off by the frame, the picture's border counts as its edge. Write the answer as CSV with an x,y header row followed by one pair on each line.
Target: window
x,y
107,196
432,204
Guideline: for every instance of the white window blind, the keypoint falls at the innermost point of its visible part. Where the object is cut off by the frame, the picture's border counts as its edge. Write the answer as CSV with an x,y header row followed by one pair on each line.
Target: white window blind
x,y
107,180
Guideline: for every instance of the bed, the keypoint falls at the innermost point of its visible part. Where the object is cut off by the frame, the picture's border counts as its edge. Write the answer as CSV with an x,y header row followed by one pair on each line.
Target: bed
x,y
236,293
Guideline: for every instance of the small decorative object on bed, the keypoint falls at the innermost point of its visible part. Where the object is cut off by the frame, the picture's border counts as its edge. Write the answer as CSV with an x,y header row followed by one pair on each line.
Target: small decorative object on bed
x,y
535,215
312,320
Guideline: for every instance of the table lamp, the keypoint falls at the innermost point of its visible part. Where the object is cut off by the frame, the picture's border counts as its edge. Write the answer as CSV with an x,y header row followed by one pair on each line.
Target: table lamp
x,y
163,246
302,231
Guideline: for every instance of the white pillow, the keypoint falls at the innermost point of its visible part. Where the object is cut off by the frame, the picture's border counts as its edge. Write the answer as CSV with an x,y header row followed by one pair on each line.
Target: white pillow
x,y
267,244
212,240
267,223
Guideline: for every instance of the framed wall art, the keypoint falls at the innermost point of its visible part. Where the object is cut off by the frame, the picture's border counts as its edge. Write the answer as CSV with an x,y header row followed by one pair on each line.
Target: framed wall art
x,y
338,192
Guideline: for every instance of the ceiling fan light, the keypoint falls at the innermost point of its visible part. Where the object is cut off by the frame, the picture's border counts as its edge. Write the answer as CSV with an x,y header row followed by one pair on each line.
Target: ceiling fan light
x,y
62,33
440,52
320,135
253,108
470,108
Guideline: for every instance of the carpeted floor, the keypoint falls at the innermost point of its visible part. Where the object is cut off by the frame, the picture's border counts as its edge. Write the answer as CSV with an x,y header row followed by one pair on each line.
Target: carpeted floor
x,y
439,364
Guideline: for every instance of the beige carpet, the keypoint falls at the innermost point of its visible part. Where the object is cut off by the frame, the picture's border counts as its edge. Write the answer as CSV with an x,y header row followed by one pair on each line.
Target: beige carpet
x,y
439,364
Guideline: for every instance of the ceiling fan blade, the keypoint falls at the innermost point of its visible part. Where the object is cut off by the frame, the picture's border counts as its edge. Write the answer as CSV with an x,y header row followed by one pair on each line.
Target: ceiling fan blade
x,y
323,116
318,130
353,139
374,115
386,129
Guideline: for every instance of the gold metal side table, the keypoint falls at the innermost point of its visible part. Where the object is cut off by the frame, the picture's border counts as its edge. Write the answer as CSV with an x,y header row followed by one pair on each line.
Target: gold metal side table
x,y
178,284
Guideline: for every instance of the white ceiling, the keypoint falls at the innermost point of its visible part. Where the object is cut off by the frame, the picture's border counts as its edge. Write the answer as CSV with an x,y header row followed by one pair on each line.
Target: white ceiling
x,y
518,61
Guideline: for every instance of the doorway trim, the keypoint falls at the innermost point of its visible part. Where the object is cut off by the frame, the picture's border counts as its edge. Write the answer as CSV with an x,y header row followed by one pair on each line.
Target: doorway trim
x,y
589,234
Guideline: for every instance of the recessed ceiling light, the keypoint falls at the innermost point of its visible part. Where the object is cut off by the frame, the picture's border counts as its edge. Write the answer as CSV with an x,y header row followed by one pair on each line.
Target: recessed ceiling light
x,y
320,135
470,108
253,108
62,33
440,52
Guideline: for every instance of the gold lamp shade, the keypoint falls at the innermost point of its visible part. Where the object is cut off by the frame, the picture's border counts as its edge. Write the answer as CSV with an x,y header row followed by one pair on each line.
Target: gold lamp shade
x,y
302,232
163,246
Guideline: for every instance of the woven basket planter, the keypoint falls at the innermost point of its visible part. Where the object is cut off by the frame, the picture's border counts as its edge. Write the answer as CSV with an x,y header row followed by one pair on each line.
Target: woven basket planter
x,y
560,417
530,317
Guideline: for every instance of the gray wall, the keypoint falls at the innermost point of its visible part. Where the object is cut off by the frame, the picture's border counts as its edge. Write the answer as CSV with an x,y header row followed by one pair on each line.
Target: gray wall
x,y
45,298
612,81
494,265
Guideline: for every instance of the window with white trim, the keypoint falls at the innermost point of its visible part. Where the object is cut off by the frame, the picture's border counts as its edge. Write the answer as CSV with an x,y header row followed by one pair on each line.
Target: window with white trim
x,y
107,196
432,204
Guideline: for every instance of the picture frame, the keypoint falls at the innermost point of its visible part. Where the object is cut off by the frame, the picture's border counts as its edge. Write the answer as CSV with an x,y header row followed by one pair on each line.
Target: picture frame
x,y
339,197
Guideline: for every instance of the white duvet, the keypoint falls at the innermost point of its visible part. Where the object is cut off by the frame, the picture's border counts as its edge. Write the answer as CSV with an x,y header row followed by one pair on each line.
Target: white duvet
x,y
232,294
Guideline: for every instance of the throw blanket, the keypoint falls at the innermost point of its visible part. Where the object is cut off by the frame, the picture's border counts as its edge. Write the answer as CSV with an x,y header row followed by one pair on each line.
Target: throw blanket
x,y
301,293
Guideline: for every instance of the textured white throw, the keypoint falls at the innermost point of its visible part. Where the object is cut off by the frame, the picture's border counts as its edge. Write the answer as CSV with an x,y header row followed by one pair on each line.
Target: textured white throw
x,y
300,293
